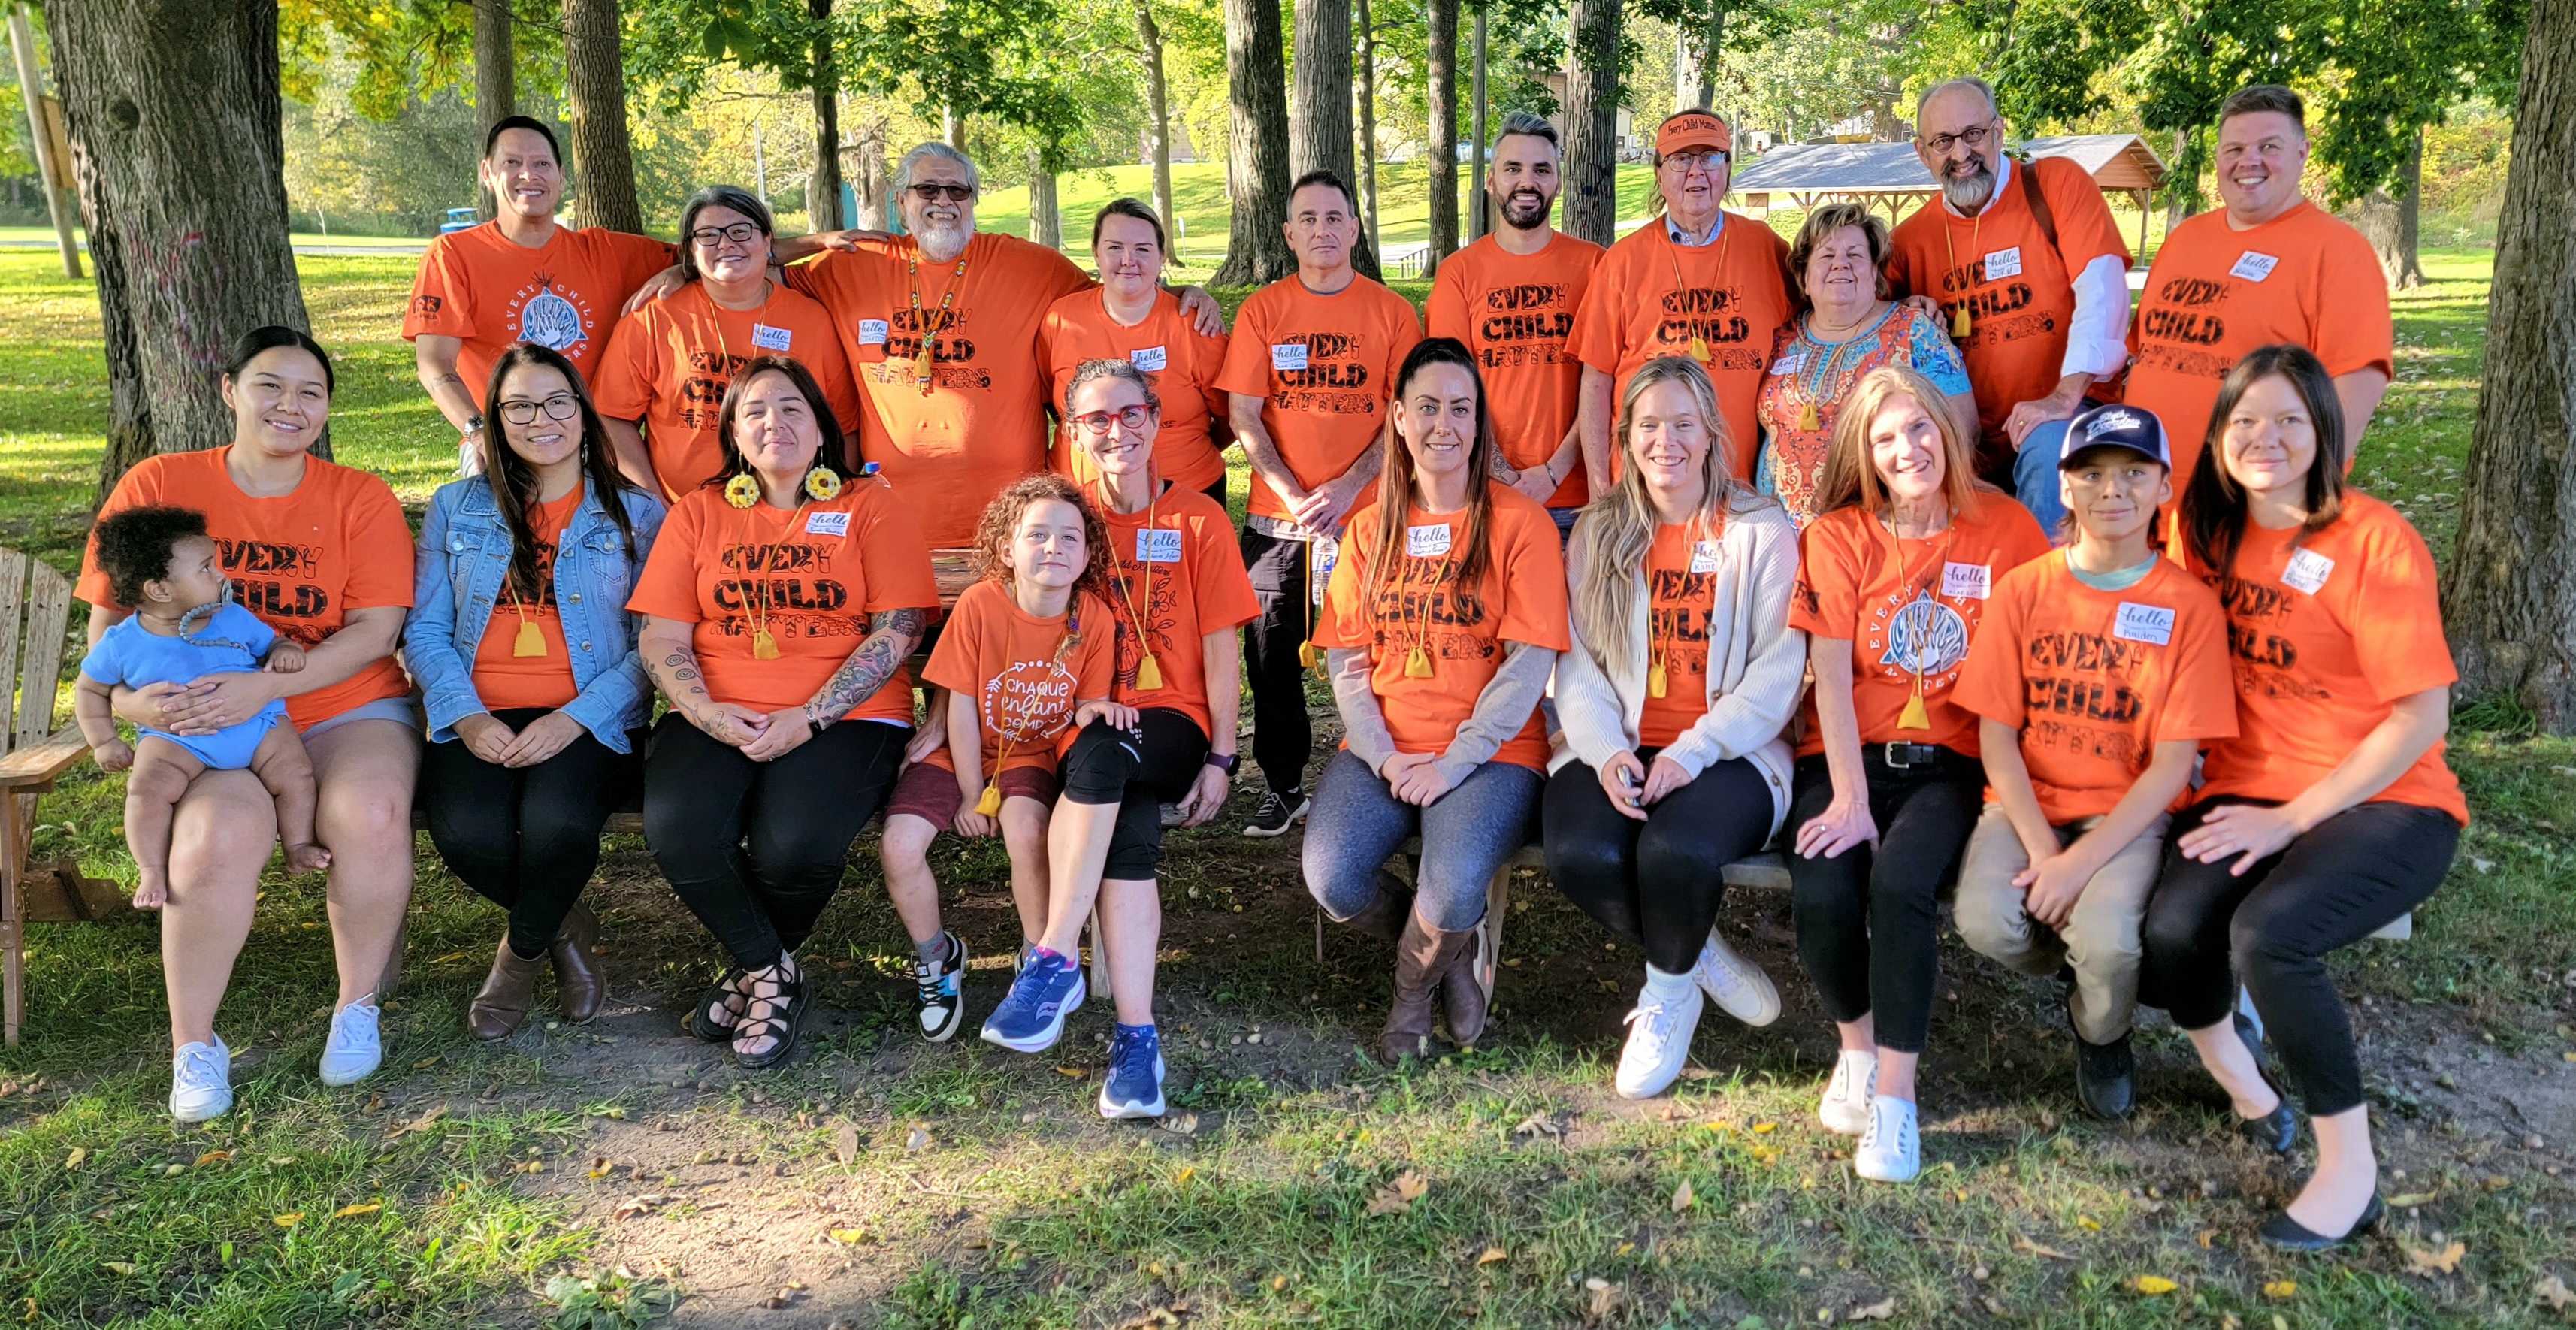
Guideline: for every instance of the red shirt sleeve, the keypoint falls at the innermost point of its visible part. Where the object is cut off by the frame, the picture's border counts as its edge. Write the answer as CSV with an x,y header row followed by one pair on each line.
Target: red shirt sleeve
x,y
2396,605
1594,339
639,258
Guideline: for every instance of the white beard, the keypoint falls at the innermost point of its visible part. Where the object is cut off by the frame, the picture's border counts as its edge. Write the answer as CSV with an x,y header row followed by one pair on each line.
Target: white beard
x,y
942,241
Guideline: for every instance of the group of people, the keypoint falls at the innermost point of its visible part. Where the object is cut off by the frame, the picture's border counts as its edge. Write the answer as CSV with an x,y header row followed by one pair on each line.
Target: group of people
x,y
1903,555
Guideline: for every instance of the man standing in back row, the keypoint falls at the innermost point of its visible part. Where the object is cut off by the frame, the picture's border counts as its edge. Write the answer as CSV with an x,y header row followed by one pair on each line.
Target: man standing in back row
x,y
2032,278
1307,374
1701,282
1511,298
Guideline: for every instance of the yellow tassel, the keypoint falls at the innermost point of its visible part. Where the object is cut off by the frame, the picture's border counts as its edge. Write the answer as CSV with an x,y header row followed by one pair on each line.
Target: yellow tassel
x,y
1658,682
1961,324
530,641
921,365
1699,348
1149,676
763,645
1418,664
1915,716
1807,417
991,803
1310,655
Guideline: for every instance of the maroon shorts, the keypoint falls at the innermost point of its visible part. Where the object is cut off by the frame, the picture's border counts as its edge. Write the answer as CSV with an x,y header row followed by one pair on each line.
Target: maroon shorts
x,y
929,791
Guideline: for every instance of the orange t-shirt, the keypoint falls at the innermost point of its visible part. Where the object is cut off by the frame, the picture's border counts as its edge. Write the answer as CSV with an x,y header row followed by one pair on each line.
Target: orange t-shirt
x,y
504,679
1179,360
1649,297
669,363
1516,312
2019,289
2216,293
2094,680
300,561
1024,675
1522,600
949,446
831,566
1681,583
1904,608
1326,365
2325,637
1183,577
488,289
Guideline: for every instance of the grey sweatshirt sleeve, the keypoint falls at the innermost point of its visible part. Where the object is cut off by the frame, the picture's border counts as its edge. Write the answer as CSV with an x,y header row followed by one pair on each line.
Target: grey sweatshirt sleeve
x,y
1501,710
1363,725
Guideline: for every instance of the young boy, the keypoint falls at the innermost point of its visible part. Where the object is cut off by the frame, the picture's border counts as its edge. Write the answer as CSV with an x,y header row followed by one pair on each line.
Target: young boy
x,y
2100,668
161,562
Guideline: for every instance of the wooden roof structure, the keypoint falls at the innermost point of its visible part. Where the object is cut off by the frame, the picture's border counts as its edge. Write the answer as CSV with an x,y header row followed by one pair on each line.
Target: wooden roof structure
x,y
1889,173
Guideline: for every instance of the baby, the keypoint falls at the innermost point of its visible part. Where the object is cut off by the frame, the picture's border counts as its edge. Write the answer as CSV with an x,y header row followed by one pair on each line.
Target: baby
x,y
161,562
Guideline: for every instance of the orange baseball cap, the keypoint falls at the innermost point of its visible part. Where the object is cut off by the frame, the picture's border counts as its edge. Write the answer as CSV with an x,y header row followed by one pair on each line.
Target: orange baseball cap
x,y
1693,129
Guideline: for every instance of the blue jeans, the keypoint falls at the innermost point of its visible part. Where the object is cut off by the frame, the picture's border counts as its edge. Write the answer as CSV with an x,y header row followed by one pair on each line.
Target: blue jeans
x,y
1466,834
2035,476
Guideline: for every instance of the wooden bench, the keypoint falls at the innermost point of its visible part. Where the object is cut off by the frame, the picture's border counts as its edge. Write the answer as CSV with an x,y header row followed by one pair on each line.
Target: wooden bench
x,y
35,612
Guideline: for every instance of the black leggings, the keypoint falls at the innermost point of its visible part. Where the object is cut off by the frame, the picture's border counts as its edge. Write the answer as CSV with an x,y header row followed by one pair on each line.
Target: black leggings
x,y
1139,770
1656,882
2348,877
1283,738
756,848
527,838
1868,922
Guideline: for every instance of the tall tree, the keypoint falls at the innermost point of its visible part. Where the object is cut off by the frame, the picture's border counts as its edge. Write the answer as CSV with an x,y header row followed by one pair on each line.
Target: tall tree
x,y
1149,43
1440,103
678,43
2508,601
1591,198
188,258
1256,166
1364,104
960,59
496,75
1319,125
823,81
1046,220
603,159
2391,220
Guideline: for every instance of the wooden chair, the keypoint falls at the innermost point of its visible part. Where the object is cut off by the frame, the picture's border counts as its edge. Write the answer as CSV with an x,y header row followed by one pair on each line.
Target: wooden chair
x,y
35,609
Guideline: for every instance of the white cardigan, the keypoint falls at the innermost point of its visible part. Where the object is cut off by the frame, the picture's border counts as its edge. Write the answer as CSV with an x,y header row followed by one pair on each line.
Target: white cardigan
x,y
1756,662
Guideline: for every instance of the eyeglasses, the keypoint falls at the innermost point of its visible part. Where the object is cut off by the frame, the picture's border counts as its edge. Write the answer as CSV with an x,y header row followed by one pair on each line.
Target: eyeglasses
x,y
1974,136
739,233
933,193
1696,161
1098,422
521,411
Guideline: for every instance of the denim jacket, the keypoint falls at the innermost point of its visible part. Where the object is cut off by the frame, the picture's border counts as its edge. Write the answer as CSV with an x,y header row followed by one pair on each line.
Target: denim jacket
x,y
464,559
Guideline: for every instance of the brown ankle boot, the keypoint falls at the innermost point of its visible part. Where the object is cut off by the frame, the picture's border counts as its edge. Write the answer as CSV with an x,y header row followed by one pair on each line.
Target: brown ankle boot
x,y
1462,992
1422,954
579,986
1383,917
508,994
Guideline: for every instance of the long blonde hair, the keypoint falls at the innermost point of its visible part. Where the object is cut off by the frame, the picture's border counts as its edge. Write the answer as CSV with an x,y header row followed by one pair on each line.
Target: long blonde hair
x,y
1619,525
1851,481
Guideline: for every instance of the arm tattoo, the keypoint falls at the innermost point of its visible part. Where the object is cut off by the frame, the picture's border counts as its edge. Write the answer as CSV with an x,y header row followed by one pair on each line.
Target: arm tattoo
x,y
677,673
891,635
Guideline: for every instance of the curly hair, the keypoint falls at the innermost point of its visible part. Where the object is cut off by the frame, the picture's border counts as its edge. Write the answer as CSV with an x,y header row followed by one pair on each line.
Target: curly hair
x,y
1001,521
133,547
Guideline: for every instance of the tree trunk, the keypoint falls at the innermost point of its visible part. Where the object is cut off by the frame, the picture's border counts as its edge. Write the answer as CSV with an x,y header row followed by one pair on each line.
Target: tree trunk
x,y
2508,602
2394,223
595,85
188,258
1046,221
1712,39
876,207
1477,222
1319,125
1440,102
1256,165
2178,191
952,128
1591,200
496,76
1149,39
1364,104
823,187
52,174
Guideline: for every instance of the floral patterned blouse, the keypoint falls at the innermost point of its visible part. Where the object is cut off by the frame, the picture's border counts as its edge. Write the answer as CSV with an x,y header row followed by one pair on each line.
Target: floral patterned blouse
x,y
1803,390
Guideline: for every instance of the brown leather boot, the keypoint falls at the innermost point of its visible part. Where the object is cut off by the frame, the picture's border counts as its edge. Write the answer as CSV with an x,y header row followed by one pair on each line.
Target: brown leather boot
x,y
1383,917
509,992
579,986
1422,955
1462,994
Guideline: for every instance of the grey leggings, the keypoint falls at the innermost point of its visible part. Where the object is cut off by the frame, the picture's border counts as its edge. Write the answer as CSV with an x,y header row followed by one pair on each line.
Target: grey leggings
x,y
1466,834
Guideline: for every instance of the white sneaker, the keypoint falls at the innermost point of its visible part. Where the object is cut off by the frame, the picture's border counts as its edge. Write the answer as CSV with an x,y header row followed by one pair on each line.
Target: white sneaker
x,y
201,1082
354,1049
1891,1150
1659,1039
1845,1108
1736,985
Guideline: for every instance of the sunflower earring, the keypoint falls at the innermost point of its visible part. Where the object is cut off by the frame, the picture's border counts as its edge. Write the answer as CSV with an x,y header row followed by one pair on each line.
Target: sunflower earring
x,y
822,484
743,490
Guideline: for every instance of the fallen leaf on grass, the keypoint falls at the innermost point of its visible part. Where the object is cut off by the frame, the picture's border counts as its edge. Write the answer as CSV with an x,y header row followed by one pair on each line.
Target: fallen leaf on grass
x,y
1397,1197
1876,1311
1188,1171
120,1267
532,1166
1076,1073
2281,1290
2445,1261
641,1205
2036,1249
2154,1285
1682,1197
213,1157
612,1112
1765,1128
601,1167
2411,1199
1538,1124
2088,1223
1493,1254
2553,1293
418,1124
353,1211
845,1144
919,1140
288,1220
78,1156
848,1237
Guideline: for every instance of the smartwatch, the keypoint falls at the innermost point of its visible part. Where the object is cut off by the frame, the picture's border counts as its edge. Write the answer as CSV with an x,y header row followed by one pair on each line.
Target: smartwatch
x,y
1225,762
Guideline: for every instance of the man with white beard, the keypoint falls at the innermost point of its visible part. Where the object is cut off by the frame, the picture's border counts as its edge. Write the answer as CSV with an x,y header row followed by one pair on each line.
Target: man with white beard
x,y
2031,277
1511,298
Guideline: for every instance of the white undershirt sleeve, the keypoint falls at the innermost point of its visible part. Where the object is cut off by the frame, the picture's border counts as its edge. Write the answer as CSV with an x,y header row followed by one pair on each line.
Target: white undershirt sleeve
x,y
2097,335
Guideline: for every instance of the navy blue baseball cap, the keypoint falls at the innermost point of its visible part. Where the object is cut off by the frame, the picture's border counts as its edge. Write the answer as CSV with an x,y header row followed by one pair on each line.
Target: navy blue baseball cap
x,y
2117,425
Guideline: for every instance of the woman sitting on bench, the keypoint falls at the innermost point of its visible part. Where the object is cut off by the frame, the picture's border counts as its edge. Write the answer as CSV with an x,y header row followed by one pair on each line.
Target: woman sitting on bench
x,y
1441,625
1683,675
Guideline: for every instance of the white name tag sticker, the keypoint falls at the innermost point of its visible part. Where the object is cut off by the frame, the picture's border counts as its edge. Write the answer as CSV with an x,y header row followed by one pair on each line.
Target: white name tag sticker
x,y
2308,571
2151,624
1156,544
2003,263
1323,554
1148,358
1427,542
872,332
773,339
1703,556
1789,364
2254,267
827,524
1967,581
1288,355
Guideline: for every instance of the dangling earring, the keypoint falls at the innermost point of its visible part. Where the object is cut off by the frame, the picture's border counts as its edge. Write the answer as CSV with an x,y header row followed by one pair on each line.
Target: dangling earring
x,y
822,484
743,490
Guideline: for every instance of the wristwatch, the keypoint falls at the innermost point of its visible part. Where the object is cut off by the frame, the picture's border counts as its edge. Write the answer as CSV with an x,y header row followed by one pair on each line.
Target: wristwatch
x,y
818,724
1225,762
474,424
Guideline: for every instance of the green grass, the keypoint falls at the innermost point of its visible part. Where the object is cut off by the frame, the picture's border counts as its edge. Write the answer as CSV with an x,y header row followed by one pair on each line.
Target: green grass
x,y
1012,1206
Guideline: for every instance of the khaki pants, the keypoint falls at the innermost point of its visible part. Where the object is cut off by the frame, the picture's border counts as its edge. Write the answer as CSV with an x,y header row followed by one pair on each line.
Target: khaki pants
x,y
2100,939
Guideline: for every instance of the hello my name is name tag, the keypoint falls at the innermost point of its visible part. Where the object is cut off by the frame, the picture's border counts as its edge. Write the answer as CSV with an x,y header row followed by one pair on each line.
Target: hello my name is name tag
x,y
1967,581
827,524
2003,263
872,332
1157,544
2308,571
2151,624
771,339
1426,542
1288,355
1148,358
2254,267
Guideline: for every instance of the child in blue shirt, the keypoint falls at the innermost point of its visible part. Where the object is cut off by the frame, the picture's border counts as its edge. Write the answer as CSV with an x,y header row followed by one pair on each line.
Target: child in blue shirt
x,y
161,562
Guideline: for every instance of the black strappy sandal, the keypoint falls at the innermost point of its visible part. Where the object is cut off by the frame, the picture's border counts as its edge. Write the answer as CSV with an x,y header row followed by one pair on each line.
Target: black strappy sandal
x,y
783,1023
717,998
